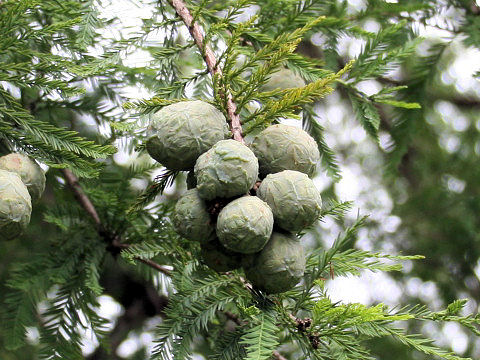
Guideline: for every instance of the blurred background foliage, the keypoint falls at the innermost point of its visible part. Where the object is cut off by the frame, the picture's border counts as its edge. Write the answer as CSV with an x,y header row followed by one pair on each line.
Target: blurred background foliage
x,y
420,183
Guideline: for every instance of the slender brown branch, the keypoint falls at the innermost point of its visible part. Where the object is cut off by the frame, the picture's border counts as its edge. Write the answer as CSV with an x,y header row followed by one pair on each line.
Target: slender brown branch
x,y
81,197
292,317
88,206
278,356
209,57
154,265
233,317
246,284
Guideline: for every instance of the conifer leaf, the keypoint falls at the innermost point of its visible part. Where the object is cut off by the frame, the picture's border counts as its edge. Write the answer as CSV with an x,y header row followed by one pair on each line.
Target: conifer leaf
x,y
419,343
61,72
405,121
400,104
160,183
291,99
19,313
150,105
328,159
56,142
261,340
471,28
193,307
89,24
337,209
367,115
228,346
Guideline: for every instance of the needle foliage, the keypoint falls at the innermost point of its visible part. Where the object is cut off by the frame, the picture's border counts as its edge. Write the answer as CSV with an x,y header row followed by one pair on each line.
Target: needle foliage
x,y
65,73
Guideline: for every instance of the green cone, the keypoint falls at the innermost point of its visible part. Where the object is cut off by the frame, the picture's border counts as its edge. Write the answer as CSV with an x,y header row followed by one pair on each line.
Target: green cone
x,y
29,171
279,266
15,205
245,225
228,169
181,132
191,219
283,147
295,201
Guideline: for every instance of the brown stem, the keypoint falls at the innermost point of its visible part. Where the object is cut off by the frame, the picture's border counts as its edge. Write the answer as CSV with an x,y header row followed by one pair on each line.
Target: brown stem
x,y
246,284
154,265
233,317
209,57
81,197
278,356
88,206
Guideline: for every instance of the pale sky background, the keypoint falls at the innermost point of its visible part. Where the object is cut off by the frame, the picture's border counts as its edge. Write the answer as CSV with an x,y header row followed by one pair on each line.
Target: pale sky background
x,y
360,182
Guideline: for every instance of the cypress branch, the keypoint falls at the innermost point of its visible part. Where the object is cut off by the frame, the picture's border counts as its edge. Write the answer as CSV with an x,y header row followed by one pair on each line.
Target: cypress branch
x,y
209,57
108,213
115,242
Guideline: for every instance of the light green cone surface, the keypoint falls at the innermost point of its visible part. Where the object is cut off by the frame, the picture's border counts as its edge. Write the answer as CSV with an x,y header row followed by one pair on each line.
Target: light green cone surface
x,y
191,219
283,79
15,205
228,169
279,266
283,147
29,171
295,201
181,132
216,257
245,225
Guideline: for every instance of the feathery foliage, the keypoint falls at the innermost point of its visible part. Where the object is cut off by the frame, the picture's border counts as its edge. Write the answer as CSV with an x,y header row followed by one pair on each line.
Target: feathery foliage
x,y
63,101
